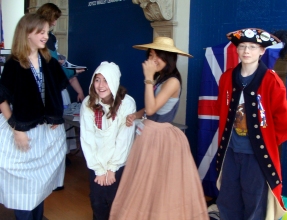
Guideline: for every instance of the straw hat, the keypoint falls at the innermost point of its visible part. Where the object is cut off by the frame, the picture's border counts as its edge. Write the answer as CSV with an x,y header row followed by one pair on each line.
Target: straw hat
x,y
162,43
253,35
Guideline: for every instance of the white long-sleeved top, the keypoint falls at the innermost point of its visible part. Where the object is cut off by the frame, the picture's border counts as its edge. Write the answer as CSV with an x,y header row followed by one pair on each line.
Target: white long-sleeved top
x,y
107,148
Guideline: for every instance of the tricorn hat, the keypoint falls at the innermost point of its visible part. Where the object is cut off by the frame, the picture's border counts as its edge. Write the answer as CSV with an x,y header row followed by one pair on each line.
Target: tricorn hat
x,y
162,43
253,35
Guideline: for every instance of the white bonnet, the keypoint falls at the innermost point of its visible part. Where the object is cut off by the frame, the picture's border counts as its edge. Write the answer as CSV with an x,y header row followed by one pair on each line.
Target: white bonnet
x,y
112,74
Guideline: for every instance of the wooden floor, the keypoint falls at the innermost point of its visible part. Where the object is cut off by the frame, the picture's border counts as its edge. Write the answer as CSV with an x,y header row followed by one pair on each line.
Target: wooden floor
x,y
71,203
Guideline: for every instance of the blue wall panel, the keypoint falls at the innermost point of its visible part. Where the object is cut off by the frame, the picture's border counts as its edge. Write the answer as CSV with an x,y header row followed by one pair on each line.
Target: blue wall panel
x,y
210,21
108,32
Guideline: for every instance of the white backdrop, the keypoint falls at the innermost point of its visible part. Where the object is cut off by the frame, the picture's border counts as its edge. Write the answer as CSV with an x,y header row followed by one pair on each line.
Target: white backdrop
x,y
12,11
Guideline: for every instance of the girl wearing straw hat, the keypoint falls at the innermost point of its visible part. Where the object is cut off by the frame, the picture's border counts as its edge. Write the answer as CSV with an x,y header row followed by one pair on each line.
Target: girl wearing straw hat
x,y
160,179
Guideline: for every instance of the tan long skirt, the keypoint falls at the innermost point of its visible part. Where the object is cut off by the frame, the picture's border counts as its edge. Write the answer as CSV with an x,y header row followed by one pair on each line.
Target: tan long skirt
x,y
160,180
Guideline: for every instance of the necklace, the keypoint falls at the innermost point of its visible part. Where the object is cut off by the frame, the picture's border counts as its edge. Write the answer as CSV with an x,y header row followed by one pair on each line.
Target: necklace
x,y
38,75
156,84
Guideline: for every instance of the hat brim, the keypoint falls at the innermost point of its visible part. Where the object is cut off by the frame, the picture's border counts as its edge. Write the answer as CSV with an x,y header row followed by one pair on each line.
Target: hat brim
x,y
237,37
161,47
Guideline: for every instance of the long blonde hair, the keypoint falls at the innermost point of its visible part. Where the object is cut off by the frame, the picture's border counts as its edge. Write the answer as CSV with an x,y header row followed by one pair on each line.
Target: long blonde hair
x,y
20,46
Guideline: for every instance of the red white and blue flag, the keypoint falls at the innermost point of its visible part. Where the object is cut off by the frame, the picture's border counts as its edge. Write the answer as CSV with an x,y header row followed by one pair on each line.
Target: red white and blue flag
x,y
1,29
217,60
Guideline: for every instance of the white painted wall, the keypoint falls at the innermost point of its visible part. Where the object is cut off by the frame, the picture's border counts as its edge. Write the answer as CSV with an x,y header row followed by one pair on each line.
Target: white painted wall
x,y
12,11
181,40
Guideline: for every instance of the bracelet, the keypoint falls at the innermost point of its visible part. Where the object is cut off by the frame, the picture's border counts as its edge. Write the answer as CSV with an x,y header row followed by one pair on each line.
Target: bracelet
x,y
147,81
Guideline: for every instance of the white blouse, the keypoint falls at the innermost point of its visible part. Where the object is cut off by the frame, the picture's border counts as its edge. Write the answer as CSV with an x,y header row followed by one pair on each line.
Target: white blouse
x,y
107,148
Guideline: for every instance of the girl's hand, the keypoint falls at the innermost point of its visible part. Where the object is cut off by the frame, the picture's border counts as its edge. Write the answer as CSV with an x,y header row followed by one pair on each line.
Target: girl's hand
x,y
21,140
130,119
149,69
101,180
80,97
78,71
53,126
110,178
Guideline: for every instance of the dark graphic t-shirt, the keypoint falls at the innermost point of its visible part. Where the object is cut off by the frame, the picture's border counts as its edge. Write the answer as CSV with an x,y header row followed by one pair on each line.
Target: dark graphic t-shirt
x,y
240,142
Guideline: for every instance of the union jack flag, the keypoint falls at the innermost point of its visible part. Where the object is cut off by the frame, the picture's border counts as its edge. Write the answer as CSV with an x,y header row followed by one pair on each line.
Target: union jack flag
x,y
1,29
217,60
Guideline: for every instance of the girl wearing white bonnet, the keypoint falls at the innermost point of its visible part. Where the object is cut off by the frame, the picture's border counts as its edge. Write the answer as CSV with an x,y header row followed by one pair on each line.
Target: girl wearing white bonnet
x,y
105,138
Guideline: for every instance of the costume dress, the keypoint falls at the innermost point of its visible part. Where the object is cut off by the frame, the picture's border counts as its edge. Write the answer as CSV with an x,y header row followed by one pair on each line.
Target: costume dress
x,y
106,147
101,151
267,129
27,178
160,180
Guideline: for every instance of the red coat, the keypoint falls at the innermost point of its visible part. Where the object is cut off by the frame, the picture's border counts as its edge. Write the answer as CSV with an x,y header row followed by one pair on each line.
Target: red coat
x,y
264,140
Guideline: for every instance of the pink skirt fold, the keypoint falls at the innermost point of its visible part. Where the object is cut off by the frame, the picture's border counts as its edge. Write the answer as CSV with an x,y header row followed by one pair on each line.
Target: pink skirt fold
x,y
160,180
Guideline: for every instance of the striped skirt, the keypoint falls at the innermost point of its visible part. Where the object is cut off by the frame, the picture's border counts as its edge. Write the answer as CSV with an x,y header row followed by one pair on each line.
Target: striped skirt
x,y
160,180
27,178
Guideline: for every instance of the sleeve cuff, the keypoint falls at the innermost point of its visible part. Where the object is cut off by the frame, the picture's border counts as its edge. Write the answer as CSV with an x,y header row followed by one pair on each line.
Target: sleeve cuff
x,y
113,168
100,172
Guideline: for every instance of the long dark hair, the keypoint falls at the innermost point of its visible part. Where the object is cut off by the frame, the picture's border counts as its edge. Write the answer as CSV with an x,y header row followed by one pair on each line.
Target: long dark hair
x,y
282,35
170,70
116,101
50,12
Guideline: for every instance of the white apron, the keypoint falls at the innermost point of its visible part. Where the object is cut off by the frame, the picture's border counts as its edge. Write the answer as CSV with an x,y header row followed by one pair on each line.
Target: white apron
x,y
27,178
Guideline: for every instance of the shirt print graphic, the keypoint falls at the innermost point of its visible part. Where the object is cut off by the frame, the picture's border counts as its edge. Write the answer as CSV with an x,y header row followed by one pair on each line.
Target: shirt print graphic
x,y
240,124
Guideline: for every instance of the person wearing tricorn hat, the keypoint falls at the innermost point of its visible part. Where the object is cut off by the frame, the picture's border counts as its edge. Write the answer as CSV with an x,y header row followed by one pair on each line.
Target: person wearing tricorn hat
x,y
105,138
253,115
160,179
